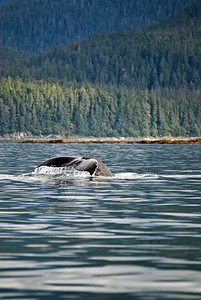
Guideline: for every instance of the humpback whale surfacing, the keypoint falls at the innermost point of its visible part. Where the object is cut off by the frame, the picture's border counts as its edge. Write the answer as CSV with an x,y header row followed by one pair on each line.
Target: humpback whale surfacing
x,y
88,163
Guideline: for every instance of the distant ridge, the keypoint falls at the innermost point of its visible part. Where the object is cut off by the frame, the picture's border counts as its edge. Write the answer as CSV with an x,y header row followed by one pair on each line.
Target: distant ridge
x,y
188,17
166,55
35,25
4,1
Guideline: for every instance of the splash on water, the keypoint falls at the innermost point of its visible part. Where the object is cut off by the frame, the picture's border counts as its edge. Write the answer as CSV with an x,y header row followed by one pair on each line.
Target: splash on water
x,y
45,173
75,173
130,175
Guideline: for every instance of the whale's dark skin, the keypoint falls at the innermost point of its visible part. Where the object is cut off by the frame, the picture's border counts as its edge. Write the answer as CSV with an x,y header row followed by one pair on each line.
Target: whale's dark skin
x,y
88,163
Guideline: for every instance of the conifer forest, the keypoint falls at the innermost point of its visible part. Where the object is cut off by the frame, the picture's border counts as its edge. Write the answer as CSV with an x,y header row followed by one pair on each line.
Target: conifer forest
x,y
119,79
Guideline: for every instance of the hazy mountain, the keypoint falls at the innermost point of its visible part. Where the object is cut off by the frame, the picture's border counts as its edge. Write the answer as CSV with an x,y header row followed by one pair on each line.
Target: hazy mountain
x,y
36,25
4,1
166,55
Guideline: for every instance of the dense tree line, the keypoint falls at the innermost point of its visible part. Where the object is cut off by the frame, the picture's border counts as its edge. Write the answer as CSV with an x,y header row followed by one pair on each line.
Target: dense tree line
x,y
36,25
40,107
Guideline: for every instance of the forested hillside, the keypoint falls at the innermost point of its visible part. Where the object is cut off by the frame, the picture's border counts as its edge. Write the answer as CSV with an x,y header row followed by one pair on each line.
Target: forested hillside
x,y
3,1
167,55
139,60
36,25
41,107
12,61
142,82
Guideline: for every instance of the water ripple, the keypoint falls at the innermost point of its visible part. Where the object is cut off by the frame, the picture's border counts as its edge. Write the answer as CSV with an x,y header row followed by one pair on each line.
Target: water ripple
x,y
136,235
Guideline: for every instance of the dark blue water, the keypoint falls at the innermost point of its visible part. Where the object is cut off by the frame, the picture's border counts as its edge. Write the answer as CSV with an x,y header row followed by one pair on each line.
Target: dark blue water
x,y
69,236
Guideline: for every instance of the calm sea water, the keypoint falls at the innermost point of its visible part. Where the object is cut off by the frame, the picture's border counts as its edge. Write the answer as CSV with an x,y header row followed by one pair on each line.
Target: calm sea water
x,y
68,236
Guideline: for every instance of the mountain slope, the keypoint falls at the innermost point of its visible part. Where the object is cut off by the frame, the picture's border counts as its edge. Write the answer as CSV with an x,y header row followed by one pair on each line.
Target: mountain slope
x,y
189,17
136,83
4,1
151,58
36,25
12,60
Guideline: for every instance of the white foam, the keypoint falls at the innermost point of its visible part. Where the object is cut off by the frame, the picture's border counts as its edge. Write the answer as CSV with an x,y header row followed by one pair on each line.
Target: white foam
x,y
44,172
5,176
129,175
182,176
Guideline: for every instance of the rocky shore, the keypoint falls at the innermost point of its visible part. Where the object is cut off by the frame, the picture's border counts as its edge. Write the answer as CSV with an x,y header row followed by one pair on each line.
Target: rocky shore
x,y
120,140
27,137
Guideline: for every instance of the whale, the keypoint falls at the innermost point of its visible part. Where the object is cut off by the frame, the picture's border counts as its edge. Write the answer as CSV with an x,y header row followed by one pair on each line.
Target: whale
x,y
89,164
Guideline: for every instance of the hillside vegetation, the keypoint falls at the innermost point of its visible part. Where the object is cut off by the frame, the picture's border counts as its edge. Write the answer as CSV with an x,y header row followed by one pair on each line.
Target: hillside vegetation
x,y
41,107
35,25
167,55
142,82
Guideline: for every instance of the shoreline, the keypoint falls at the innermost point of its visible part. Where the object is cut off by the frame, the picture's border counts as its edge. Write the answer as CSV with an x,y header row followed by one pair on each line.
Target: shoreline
x,y
112,140
57,139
